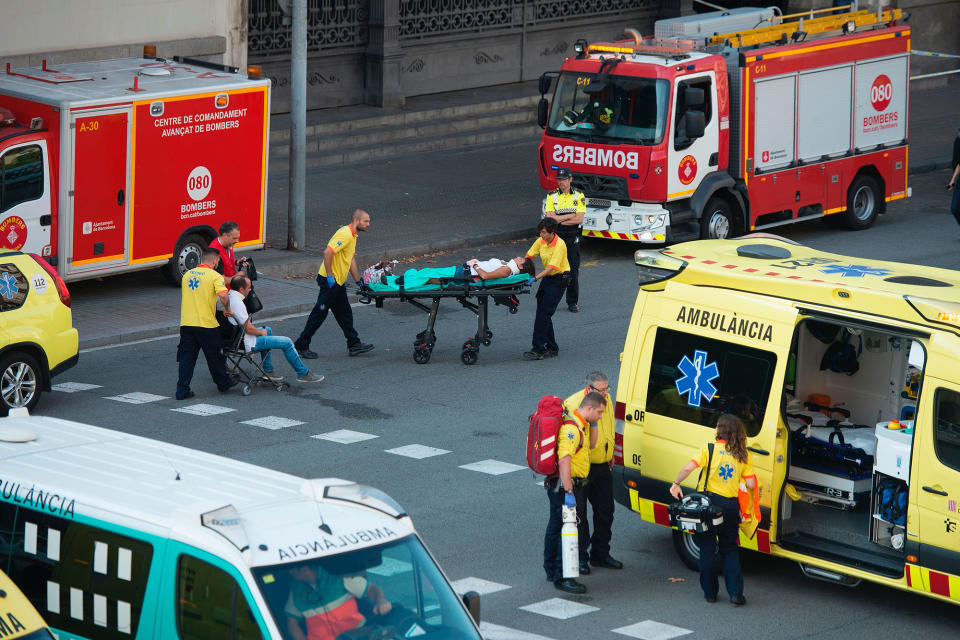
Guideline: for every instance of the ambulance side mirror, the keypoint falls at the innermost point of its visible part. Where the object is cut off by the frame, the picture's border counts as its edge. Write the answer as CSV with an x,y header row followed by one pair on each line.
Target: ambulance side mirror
x,y
472,600
542,108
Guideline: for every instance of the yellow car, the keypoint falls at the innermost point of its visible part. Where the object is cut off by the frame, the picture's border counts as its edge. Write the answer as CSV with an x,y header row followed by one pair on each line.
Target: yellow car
x,y
37,338
18,618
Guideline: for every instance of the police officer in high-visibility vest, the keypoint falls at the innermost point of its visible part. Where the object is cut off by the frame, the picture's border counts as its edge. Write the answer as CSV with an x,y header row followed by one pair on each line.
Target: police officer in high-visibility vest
x,y
724,469
575,438
553,255
566,205
599,489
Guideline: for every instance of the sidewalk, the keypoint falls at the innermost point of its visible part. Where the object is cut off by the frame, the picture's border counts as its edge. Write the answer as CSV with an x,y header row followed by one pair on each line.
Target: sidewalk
x,y
419,204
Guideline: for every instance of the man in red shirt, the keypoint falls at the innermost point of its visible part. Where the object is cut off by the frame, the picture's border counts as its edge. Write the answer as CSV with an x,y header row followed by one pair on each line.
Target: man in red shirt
x,y
229,236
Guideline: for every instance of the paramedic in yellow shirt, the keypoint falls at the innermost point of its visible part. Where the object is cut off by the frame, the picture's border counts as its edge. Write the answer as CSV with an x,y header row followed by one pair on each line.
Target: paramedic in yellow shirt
x,y
338,261
553,254
599,489
567,206
575,438
199,290
722,473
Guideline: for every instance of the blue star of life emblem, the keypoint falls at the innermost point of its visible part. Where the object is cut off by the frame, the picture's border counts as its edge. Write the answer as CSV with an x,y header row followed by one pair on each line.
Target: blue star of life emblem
x,y
569,436
725,472
698,377
8,286
194,283
854,270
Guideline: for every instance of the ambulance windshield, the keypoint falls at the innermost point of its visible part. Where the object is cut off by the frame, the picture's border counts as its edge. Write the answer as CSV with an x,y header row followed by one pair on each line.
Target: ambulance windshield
x,y
612,109
390,591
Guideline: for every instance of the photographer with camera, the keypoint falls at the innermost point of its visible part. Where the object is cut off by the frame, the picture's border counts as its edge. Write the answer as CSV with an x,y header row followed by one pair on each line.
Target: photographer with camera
x,y
724,463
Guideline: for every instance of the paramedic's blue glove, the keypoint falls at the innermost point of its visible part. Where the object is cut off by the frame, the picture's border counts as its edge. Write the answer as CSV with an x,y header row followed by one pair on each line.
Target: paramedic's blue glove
x,y
530,281
570,500
331,281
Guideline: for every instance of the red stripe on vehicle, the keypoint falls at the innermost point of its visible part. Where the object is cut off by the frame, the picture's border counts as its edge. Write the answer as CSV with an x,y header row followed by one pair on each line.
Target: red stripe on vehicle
x,y
705,261
907,571
660,514
751,270
763,540
939,583
729,266
771,273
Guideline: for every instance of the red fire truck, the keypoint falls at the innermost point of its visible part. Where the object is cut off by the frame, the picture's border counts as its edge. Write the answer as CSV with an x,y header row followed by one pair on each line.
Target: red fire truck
x,y
119,165
706,131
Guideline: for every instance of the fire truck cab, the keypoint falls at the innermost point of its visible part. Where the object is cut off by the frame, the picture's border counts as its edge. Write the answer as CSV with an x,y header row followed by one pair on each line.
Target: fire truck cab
x,y
686,135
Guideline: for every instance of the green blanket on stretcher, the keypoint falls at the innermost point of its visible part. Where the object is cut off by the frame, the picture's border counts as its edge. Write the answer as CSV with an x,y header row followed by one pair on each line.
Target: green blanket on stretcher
x,y
416,280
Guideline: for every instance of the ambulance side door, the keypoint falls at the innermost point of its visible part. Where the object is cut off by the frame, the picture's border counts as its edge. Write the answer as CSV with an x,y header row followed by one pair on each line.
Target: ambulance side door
x,y
715,352
935,477
691,156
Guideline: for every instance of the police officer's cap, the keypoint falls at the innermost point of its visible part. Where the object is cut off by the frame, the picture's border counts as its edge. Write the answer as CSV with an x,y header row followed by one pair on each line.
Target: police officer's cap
x,y
564,174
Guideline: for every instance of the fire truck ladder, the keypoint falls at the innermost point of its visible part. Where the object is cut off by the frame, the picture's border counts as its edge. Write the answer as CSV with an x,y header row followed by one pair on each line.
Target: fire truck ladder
x,y
801,25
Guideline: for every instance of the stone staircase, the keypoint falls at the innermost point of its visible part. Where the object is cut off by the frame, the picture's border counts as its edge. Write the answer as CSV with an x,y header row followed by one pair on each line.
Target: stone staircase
x,y
359,134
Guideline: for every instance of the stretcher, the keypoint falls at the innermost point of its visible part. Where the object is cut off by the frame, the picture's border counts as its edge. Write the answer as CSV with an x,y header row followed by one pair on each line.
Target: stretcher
x,y
472,293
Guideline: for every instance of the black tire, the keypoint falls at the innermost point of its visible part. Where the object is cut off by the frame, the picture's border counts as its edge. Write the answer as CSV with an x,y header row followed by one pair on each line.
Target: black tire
x,y
688,550
21,382
717,221
421,355
863,203
186,255
468,356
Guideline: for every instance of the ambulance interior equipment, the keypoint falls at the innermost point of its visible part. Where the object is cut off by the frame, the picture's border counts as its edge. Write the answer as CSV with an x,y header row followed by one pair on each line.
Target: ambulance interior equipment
x,y
472,294
847,402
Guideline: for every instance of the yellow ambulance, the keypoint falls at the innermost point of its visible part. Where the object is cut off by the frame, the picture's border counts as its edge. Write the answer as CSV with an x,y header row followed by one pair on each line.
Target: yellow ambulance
x,y
18,618
845,374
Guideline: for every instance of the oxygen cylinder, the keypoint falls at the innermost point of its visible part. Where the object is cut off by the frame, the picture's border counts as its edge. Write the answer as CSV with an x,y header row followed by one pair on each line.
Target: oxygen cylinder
x,y
569,545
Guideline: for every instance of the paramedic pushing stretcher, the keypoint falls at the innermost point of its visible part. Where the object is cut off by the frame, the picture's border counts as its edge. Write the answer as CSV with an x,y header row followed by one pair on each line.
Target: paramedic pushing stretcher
x,y
575,438
728,465
553,255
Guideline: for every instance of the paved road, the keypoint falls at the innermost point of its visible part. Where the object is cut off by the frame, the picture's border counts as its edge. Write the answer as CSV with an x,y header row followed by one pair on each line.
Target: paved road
x,y
488,526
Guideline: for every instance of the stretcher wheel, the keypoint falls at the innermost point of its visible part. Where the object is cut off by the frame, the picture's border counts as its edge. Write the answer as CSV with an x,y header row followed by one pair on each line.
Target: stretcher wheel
x,y
513,309
469,345
489,334
486,342
245,390
421,355
468,356
283,386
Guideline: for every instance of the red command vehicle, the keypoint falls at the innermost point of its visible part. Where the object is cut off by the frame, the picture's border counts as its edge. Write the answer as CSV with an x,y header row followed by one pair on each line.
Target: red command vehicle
x,y
692,134
118,165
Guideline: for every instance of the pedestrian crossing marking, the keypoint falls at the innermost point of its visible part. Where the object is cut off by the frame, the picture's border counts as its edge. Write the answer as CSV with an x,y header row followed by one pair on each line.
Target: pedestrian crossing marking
x,y
492,467
559,608
491,631
73,387
345,436
481,586
203,410
652,630
137,397
273,422
417,451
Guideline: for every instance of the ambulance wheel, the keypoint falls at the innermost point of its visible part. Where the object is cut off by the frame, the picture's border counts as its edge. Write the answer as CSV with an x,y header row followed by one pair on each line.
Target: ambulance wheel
x,y
717,222
468,356
863,203
187,255
688,549
20,382
421,355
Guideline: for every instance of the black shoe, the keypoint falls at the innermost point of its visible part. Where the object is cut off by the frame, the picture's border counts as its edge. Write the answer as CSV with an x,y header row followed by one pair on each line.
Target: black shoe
x,y
570,586
306,354
186,396
738,600
234,381
550,353
573,308
357,349
533,355
710,598
584,569
607,563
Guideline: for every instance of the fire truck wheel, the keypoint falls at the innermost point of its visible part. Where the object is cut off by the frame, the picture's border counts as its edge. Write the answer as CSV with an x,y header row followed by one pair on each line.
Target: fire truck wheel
x,y
186,256
20,382
863,199
717,220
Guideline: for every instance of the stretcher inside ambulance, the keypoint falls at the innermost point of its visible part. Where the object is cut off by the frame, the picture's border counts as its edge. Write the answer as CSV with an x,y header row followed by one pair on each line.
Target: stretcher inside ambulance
x,y
843,371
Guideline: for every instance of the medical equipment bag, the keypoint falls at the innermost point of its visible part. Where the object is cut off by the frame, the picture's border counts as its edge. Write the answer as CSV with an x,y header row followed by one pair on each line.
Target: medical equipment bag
x,y
542,430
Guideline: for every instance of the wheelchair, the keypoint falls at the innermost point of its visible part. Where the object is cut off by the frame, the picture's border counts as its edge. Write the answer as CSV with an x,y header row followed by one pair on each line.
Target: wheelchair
x,y
236,356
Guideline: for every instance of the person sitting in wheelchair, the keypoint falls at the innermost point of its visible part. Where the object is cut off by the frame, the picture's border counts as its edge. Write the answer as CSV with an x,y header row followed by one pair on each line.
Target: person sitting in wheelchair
x,y
263,340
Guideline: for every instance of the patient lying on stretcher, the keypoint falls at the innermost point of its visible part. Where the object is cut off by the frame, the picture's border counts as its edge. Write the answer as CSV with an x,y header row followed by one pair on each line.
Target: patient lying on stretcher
x,y
493,269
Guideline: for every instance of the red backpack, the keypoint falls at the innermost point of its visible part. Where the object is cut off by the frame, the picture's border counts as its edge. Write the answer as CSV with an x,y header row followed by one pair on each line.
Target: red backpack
x,y
542,436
